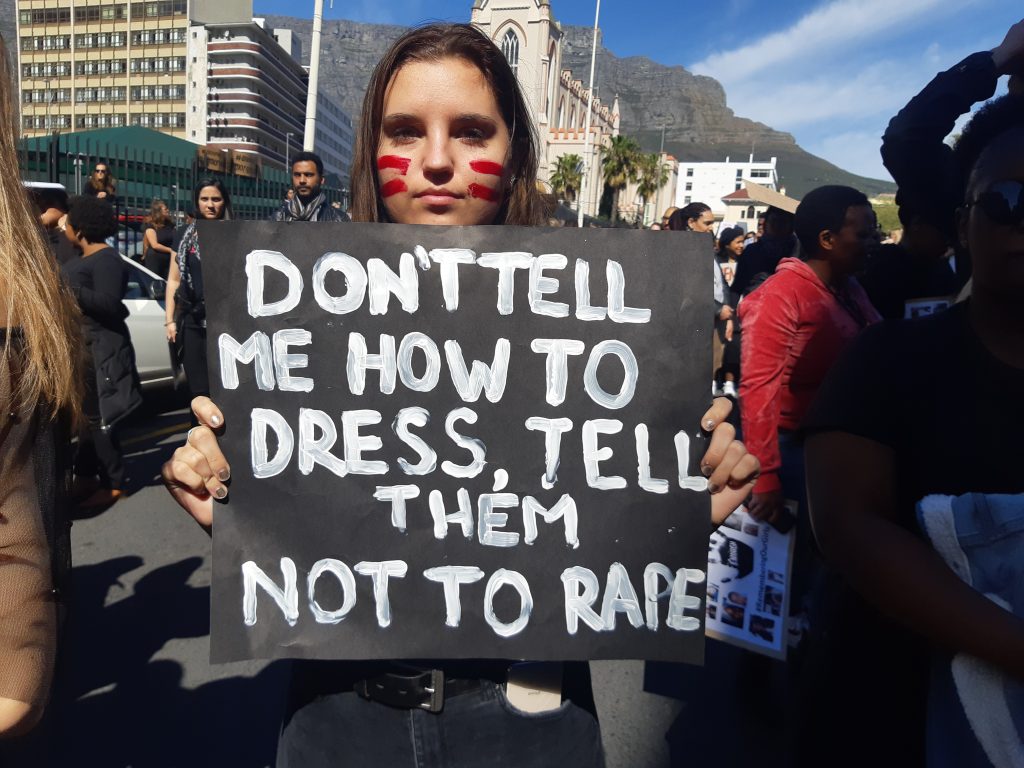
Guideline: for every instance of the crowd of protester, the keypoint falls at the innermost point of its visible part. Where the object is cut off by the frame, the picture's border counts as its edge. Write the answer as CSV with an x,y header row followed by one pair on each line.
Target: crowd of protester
x,y
877,393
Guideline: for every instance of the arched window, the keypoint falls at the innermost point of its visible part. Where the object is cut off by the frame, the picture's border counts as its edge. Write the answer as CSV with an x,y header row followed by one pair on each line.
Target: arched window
x,y
750,212
572,118
510,47
561,113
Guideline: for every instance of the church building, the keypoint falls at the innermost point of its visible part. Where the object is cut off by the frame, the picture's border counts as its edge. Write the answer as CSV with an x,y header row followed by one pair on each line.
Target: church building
x,y
531,39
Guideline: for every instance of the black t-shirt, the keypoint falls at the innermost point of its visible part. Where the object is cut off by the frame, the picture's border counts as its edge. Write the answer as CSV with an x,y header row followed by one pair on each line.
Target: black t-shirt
x,y
929,389
893,279
953,414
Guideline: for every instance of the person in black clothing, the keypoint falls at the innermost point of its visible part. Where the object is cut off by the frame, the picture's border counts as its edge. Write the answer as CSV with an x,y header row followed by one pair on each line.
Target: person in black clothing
x,y
52,206
914,150
159,239
98,280
101,183
730,250
308,203
186,301
916,268
913,455
762,257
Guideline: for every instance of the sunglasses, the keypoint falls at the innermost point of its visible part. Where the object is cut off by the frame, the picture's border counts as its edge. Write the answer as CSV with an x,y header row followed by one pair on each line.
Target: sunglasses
x,y
1003,202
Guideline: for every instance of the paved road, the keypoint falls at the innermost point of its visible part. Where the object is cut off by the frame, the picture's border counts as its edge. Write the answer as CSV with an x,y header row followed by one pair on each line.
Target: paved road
x,y
136,688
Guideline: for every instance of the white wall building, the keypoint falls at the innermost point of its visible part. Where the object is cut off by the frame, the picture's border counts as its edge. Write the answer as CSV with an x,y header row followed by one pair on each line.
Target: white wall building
x,y
248,92
531,38
710,183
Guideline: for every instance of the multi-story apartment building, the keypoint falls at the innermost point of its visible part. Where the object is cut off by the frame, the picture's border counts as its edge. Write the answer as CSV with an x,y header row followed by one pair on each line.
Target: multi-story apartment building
x,y
201,70
721,185
89,64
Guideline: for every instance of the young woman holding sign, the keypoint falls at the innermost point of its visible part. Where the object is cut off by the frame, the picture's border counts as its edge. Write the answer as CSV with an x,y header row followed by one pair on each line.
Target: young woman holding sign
x,y
445,138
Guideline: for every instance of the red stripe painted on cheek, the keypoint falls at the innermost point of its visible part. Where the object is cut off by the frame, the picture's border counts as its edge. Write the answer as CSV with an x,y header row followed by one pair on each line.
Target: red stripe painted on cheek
x,y
393,162
393,187
483,193
486,166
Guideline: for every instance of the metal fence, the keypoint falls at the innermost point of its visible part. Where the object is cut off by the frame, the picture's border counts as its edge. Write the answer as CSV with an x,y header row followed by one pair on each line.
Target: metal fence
x,y
143,175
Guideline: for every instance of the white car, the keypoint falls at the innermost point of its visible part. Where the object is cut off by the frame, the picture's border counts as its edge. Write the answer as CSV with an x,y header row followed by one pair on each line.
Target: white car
x,y
145,301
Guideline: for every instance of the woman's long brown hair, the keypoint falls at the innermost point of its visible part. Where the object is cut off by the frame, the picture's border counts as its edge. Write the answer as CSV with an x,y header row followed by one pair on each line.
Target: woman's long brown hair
x,y
157,218
523,203
49,368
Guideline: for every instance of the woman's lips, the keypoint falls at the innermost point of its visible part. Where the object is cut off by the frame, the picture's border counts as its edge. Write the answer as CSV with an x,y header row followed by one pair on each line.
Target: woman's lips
x,y
435,196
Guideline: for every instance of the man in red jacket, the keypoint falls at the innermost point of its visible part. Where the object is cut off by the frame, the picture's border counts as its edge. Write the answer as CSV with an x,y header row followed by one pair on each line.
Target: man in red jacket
x,y
795,325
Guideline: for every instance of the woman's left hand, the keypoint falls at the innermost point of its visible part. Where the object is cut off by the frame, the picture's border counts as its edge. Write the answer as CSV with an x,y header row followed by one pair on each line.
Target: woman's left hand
x,y
730,470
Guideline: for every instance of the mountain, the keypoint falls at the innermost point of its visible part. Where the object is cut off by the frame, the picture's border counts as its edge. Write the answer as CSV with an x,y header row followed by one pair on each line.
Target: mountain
x,y
8,15
698,124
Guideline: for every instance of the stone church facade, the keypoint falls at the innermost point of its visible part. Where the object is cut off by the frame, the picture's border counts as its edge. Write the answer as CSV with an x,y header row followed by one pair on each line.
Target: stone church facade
x,y
528,34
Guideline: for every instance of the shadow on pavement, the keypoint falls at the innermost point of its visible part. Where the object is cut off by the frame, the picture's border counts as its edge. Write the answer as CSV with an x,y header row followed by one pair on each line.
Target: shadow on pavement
x,y
116,705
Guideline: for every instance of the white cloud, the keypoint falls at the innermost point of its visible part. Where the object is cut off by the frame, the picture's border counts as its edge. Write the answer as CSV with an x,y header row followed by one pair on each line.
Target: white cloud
x,y
837,75
829,29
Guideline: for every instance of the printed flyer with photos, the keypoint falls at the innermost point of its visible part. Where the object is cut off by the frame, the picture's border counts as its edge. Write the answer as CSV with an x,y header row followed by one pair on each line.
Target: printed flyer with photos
x,y
749,565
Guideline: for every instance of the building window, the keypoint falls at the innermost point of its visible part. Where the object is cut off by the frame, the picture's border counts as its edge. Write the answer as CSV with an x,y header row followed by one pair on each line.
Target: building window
x,y
98,12
689,186
739,185
510,47
45,16
686,200
160,8
761,173
739,173
750,212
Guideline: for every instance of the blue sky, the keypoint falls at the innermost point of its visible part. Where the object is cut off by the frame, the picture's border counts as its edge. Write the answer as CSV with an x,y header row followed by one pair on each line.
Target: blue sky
x,y
831,72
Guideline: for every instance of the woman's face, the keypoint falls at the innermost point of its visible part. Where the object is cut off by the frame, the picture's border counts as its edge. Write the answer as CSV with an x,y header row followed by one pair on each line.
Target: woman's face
x,y
703,223
989,226
735,247
211,203
443,147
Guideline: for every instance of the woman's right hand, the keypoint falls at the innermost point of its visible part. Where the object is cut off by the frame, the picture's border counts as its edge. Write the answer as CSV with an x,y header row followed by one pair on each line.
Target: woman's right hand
x,y
197,472
171,329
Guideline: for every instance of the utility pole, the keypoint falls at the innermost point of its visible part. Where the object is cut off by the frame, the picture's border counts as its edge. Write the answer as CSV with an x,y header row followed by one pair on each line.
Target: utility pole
x,y
309,139
586,141
661,151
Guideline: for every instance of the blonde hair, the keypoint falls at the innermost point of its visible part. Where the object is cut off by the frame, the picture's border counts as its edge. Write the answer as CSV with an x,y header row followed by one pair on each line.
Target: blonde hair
x,y
49,364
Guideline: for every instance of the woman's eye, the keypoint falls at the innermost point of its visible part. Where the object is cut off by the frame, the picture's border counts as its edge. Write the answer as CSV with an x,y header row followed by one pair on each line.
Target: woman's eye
x,y
472,135
402,134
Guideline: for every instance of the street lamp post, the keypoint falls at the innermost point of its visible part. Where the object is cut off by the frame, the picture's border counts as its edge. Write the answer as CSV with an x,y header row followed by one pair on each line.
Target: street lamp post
x,y
287,151
585,186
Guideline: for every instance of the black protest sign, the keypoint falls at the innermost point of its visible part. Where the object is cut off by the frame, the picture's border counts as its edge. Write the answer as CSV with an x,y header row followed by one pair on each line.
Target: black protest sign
x,y
453,442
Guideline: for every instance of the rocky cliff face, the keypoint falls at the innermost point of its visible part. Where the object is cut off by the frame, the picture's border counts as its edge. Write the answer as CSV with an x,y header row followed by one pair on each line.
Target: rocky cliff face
x,y
8,15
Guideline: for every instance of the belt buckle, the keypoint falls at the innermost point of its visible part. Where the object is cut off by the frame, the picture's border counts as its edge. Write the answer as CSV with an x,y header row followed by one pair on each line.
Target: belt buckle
x,y
436,691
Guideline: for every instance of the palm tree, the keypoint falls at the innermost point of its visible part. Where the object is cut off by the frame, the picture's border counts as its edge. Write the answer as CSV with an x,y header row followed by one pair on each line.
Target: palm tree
x,y
567,176
651,176
619,167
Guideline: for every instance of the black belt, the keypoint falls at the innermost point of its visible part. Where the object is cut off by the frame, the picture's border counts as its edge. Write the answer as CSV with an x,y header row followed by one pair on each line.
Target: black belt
x,y
418,690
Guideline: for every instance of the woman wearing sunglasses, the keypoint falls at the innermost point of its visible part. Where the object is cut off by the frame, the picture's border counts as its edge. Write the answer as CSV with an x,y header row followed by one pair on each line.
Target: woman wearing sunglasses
x,y
917,499
445,138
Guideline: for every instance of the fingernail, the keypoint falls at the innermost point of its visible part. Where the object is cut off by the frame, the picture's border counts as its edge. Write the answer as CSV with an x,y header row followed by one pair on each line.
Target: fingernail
x,y
215,420
714,487
224,475
706,470
709,424
221,492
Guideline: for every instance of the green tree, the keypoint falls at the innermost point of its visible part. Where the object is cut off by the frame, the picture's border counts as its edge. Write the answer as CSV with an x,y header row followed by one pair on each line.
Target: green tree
x,y
567,177
651,176
619,167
